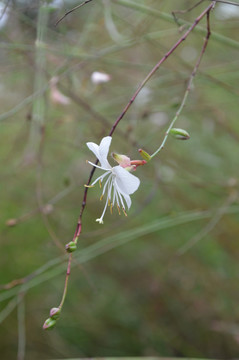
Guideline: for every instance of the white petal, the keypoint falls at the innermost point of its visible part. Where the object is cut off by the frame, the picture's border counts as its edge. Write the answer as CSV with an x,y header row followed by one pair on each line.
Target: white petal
x,y
126,182
94,148
127,200
104,150
101,151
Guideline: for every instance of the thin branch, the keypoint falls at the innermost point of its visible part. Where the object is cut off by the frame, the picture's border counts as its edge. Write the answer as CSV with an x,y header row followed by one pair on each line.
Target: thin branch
x,y
184,11
210,225
147,78
21,327
70,11
188,88
226,2
96,115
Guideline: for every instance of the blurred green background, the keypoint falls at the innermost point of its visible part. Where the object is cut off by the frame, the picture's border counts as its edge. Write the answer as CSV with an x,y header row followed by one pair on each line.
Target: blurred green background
x,y
164,280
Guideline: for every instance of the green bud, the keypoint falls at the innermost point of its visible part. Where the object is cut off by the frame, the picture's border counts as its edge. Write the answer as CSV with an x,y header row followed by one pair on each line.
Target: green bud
x,y
179,134
49,324
55,313
144,154
71,247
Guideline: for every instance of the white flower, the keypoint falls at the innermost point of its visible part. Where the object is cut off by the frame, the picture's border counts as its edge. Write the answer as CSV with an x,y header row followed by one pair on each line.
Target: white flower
x,y
98,77
119,183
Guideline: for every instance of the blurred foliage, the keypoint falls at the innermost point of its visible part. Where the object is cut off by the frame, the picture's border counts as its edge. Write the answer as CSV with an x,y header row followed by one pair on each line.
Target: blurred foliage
x,y
173,291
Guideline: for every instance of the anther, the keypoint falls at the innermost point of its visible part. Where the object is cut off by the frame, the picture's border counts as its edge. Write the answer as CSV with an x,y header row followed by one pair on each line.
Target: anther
x,y
118,209
124,212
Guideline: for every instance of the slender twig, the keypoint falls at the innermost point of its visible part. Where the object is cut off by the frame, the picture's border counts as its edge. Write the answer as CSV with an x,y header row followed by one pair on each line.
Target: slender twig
x,y
6,311
37,128
226,2
210,225
185,11
21,328
155,68
66,281
187,89
147,78
70,11
169,18
56,266
96,115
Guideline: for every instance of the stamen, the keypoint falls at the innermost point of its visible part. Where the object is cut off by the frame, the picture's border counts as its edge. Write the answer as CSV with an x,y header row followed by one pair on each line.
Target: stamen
x,y
124,212
109,202
100,221
89,186
100,183
118,209
101,177
121,200
103,213
101,198
97,166
106,184
111,209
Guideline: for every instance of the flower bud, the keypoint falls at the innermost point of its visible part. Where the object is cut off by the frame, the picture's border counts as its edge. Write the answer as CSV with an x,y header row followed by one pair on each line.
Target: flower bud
x,y
11,222
179,134
49,324
122,160
71,247
144,154
98,77
55,313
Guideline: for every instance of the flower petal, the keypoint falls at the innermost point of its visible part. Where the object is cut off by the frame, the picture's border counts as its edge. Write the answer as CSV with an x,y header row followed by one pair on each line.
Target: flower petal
x,y
126,183
104,150
94,148
101,151
127,200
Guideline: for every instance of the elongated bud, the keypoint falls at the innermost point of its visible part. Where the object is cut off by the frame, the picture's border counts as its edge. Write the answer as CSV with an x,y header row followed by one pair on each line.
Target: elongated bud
x,y
71,247
179,134
55,313
49,324
122,160
144,154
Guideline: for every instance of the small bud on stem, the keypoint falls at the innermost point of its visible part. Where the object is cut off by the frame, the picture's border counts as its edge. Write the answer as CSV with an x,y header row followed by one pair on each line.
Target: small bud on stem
x,y
55,313
71,247
49,324
144,154
179,134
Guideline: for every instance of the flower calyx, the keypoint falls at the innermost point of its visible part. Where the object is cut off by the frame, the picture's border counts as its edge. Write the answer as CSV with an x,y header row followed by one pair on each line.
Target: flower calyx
x,y
126,163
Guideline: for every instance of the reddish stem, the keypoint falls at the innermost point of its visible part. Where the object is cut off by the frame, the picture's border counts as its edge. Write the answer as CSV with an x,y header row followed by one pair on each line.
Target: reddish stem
x,y
150,74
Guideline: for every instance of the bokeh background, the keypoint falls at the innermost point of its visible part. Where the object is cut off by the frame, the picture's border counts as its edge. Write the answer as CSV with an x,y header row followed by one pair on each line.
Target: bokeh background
x,y
164,280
